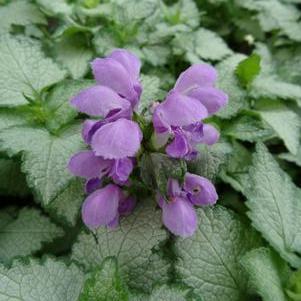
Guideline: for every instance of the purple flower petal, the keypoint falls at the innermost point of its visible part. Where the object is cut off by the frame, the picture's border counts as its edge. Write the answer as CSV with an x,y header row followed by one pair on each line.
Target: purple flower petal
x,y
212,98
211,134
195,131
114,223
85,164
201,191
197,75
101,207
178,110
128,60
173,187
99,101
179,217
117,140
126,206
87,126
110,73
92,185
121,169
179,147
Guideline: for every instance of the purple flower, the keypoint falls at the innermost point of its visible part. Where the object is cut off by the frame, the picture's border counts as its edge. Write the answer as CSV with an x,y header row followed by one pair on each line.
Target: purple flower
x,y
93,168
179,117
118,88
119,72
178,214
200,190
198,82
104,207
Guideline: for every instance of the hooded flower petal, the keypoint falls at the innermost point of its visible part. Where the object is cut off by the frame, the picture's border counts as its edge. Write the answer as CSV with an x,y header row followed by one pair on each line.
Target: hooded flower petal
x,y
85,164
101,207
128,60
212,98
211,134
110,73
200,190
202,75
178,110
179,147
179,217
117,140
99,101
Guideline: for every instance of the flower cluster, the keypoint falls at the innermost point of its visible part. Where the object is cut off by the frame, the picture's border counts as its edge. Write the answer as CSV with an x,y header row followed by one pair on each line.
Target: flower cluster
x,y
180,116
114,140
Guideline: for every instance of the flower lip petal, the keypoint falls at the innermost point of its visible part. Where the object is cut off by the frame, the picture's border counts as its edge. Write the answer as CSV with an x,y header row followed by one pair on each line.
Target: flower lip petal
x,y
179,147
117,140
196,75
179,217
99,101
101,207
210,136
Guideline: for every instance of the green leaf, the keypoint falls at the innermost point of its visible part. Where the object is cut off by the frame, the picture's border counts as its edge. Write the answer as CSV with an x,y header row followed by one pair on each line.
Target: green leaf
x,y
44,157
292,158
24,232
293,289
249,128
19,13
228,82
209,260
273,88
210,159
151,91
134,244
204,44
25,70
235,172
66,206
10,117
275,15
12,181
105,284
74,54
56,7
268,273
286,123
48,279
274,204
58,104
248,69
157,168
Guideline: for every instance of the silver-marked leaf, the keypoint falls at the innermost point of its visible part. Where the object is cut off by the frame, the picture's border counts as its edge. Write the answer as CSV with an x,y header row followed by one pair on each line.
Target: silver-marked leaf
x,y
133,243
274,204
209,260
25,70
23,232
35,280
45,156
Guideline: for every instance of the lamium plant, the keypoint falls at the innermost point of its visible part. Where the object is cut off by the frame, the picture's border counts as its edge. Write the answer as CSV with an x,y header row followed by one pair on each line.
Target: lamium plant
x,y
116,139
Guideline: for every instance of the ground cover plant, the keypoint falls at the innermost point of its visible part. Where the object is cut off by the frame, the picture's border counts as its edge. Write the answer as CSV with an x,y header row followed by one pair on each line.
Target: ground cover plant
x,y
150,150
